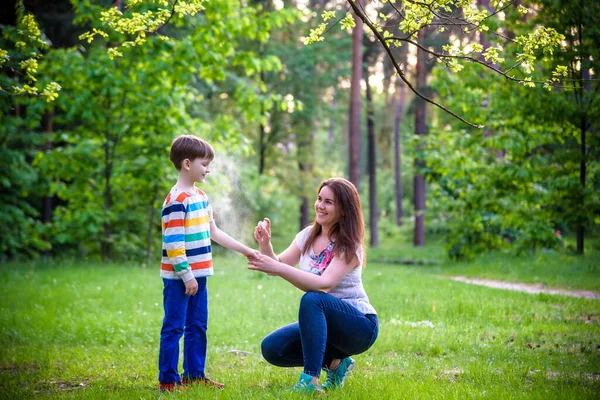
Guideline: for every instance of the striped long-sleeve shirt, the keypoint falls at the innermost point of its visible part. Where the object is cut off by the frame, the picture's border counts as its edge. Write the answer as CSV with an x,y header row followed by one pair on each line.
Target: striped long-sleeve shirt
x,y
186,250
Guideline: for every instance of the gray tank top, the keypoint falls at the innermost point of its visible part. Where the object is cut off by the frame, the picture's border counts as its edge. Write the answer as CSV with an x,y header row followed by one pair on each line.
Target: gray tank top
x,y
350,289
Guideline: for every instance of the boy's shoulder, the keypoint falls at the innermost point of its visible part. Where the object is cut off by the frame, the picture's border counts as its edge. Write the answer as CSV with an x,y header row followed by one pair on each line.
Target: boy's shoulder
x,y
178,195
200,192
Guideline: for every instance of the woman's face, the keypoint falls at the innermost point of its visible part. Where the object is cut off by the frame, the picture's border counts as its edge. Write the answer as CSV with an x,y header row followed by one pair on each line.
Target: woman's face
x,y
327,210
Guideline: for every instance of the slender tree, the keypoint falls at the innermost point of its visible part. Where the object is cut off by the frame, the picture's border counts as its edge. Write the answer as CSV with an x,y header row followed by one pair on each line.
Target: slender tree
x,y
401,88
419,163
354,124
372,166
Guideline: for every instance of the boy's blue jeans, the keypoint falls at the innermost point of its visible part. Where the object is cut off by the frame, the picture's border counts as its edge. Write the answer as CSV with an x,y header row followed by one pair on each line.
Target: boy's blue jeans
x,y
188,316
327,329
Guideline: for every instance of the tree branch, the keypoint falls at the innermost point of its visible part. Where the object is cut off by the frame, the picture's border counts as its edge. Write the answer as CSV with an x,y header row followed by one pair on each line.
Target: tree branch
x,y
155,31
442,58
401,74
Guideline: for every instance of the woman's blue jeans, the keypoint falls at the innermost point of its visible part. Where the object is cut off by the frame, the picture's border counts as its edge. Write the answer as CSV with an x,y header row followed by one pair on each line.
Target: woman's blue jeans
x,y
188,316
327,329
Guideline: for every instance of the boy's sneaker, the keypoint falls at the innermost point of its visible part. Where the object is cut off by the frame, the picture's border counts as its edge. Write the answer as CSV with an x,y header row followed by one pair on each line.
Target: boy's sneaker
x,y
203,381
169,387
305,385
336,377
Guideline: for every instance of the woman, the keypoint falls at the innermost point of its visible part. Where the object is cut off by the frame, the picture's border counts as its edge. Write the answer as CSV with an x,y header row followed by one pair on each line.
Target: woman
x,y
335,319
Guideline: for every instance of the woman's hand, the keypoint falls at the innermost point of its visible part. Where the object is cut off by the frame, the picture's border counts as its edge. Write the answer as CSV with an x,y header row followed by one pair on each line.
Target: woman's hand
x,y
262,232
264,264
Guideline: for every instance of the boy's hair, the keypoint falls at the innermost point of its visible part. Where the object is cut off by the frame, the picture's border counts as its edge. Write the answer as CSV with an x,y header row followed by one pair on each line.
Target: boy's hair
x,y
190,147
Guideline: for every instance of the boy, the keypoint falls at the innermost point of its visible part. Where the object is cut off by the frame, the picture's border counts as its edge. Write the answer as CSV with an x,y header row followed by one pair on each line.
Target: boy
x,y
188,227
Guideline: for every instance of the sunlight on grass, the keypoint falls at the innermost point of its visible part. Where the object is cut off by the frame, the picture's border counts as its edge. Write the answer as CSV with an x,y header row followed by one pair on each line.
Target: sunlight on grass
x,y
86,330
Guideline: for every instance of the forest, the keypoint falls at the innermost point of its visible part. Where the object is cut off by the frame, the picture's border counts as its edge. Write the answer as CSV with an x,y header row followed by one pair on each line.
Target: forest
x,y
469,127
472,122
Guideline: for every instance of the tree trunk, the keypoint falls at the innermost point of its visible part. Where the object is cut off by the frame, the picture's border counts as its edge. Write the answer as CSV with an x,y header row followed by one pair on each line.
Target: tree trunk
x,y
485,44
106,247
397,154
386,137
331,128
372,164
354,131
262,142
262,149
420,130
304,142
304,213
582,178
585,88
150,232
47,201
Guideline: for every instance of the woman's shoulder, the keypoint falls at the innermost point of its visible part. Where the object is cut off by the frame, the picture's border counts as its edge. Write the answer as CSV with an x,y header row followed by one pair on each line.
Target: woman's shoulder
x,y
302,236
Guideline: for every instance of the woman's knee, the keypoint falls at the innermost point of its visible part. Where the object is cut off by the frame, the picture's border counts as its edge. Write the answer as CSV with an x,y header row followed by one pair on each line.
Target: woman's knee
x,y
311,299
269,351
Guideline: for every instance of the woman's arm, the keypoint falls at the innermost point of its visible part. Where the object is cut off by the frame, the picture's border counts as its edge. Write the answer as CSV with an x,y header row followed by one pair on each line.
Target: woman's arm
x,y
303,280
262,234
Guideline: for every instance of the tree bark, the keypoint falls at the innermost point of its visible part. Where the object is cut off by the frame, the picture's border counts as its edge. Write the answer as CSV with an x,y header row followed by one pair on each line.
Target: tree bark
x,y
419,164
304,212
354,128
106,247
485,44
262,142
397,153
150,233
305,166
109,138
331,128
372,167
585,88
582,179
385,140
262,148
47,201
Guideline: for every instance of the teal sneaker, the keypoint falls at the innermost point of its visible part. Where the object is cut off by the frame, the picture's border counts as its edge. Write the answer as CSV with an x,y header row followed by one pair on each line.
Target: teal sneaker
x,y
336,377
305,385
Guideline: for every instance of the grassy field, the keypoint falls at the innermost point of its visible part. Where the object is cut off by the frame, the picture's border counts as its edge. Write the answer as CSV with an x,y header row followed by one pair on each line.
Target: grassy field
x,y
91,331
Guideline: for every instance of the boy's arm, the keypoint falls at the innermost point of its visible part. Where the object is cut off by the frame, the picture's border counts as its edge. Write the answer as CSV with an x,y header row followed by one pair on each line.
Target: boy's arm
x,y
225,240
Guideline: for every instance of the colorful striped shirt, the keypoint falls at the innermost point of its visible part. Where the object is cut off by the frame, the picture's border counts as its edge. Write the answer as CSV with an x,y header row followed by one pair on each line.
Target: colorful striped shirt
x,y
186,250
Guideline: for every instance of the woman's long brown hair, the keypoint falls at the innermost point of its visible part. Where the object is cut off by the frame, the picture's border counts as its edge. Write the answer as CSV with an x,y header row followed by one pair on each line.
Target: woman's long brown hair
x,y
349,231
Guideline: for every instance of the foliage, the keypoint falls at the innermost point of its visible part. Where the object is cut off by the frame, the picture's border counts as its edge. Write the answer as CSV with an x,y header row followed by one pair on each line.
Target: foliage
x,y
400,24
238,75
24,232
305,136
489,204
517,184
21,48
107,166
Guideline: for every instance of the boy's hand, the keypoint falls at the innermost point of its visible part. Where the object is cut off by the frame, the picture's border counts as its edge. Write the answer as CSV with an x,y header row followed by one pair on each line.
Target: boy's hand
x,y
262,232
191,287
252,254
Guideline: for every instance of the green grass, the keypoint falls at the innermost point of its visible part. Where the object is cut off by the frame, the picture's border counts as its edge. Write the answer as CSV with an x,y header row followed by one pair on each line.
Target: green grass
x,y
86,330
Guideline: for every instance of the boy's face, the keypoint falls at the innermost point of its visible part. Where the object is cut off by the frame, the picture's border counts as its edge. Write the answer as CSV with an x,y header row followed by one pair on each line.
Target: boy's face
x,y
198,169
